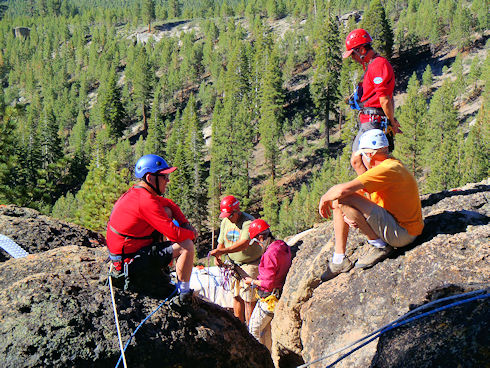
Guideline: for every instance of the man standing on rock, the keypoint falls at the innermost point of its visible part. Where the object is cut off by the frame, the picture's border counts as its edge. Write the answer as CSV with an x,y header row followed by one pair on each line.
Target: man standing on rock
x,y
391,217
374,96
140,214
234,241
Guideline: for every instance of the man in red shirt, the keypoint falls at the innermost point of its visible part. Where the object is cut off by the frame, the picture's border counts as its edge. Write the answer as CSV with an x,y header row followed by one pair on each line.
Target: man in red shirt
x,y
140,215
374,96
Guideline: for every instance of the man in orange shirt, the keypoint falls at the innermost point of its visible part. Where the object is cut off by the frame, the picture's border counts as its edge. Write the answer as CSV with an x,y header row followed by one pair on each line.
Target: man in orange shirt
x,y
392,217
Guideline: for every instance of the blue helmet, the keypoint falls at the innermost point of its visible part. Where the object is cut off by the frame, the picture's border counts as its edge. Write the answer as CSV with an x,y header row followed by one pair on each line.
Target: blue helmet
x,y
152,164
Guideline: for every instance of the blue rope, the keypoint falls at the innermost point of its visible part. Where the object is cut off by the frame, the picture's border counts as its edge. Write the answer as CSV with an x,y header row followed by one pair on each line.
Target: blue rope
x,y
404,322
418,309
142,322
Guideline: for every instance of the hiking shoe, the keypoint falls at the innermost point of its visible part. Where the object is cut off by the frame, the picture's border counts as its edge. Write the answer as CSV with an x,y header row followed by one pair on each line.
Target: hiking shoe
x,y
373,256
336,269
183,298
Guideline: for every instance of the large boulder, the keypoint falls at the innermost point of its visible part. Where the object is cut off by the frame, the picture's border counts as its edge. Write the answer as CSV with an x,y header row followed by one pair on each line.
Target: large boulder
x,y
313,319
36,233
56,311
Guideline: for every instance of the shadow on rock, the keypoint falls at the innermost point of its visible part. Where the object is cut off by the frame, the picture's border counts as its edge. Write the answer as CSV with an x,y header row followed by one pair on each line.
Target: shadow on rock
x,y
456,337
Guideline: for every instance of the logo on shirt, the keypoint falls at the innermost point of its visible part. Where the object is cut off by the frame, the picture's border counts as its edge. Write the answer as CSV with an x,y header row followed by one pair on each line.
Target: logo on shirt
x,y
377,80
233,236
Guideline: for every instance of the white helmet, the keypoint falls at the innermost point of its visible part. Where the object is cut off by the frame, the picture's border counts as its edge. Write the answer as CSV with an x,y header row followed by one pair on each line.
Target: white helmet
x,y
373,139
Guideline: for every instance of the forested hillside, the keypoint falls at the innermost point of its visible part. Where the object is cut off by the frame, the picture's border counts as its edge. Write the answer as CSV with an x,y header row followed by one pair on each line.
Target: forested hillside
x,y
92,85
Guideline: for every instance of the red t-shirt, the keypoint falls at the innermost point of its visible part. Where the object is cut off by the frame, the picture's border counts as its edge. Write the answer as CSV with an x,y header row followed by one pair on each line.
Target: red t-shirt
x,y
139,213
378,81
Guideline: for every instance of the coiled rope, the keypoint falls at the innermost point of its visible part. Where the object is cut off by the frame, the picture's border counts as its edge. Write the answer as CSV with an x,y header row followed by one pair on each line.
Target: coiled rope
x,y
473,295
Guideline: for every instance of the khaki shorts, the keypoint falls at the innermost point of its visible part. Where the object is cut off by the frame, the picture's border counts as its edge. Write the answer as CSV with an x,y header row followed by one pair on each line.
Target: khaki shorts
x,y
240,288
386,227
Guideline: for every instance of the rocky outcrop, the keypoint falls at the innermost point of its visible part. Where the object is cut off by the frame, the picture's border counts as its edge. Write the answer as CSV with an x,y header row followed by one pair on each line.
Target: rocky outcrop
x,y
56,311
443,339
36,233
314,319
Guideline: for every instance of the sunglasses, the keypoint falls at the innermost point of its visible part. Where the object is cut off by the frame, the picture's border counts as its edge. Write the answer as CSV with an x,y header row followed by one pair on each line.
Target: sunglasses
x,y
164,176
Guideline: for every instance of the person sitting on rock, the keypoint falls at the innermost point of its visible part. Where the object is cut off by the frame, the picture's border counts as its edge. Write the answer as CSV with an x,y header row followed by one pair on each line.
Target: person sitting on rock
x,y
140,214
273,268
391,217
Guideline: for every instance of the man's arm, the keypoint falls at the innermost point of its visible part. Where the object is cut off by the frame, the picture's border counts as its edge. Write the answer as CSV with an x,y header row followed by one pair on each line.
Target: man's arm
x,y
389,109
336,192
237,247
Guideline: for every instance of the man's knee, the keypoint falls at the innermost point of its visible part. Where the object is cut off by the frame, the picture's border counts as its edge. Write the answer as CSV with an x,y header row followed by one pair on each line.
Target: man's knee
x,y
186,246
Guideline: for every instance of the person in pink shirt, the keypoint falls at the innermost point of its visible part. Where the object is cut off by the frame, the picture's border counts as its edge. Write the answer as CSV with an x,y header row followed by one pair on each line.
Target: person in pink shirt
x,y
273,269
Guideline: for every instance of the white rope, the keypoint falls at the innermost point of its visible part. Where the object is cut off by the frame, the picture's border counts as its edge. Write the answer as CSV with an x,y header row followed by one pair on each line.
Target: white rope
x,y
117,321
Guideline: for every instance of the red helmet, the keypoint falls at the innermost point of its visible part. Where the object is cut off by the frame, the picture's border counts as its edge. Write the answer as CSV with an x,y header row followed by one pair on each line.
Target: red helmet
x,y
228,205
356,38
256,227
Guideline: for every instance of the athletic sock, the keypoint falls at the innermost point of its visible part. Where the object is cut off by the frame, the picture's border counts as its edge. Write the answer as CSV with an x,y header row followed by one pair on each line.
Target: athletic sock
x,y
378,243
183,287
337,258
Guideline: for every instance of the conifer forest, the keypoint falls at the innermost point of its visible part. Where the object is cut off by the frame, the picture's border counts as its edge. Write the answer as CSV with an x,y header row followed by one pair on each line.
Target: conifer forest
x,y
245,97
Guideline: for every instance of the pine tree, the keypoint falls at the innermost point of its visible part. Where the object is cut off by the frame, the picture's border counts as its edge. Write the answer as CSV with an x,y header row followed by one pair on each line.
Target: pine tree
x,y
103,186
8,142
325,85
50,141
111,109
271,111
378,26
155,141
412,118
460,30
441,151
194,144
142,80
427,79
148,12
476,162
480,9
270,204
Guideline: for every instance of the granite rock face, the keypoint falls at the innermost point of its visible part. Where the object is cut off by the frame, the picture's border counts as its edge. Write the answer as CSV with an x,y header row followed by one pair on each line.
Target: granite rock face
x,y
56,311
452,254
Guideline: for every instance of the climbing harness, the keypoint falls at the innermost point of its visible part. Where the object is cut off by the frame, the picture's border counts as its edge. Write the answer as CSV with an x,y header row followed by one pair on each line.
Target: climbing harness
x,y
270,299
470,296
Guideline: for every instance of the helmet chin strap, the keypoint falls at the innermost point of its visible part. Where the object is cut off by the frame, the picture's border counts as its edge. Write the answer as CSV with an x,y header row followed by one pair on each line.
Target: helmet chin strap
x,y
157,188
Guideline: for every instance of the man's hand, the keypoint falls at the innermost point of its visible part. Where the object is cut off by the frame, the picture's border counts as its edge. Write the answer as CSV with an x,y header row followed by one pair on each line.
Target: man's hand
x,y
325,207
248,280
218,252
395,126
351,223
218,262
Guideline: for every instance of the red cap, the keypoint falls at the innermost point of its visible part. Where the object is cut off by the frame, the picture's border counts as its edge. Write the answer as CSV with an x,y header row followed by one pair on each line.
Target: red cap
x,y
356,38
228,205
256,227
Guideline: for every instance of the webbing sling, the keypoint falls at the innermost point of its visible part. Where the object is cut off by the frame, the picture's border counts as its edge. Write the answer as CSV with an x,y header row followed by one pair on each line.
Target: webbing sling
x,y
129,236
